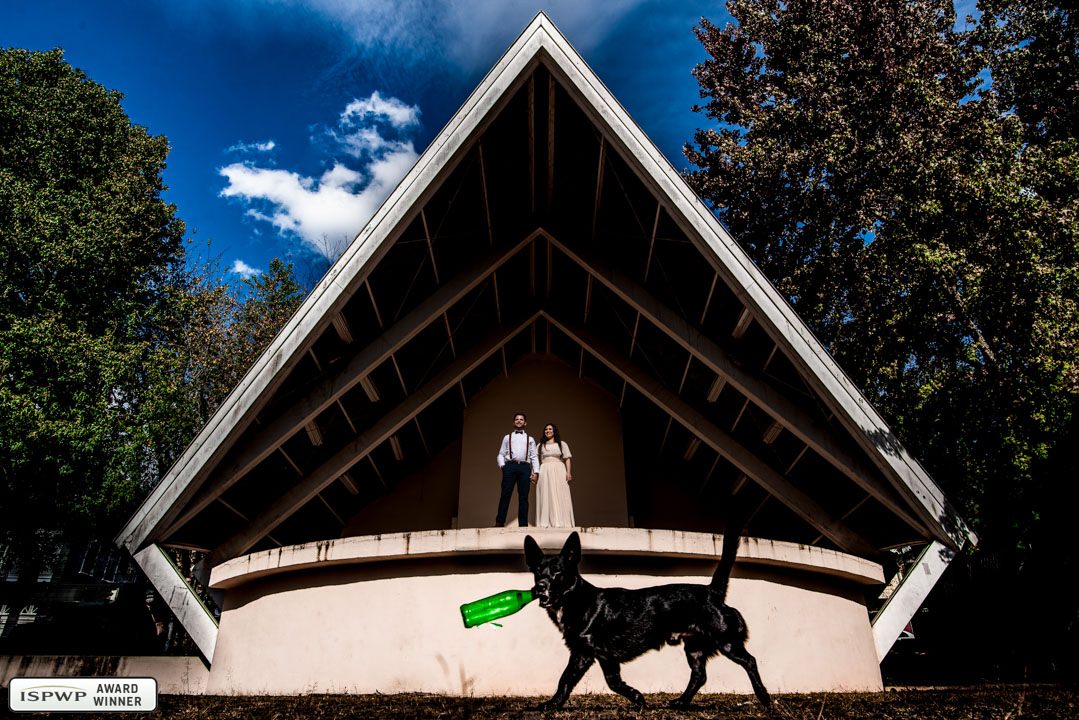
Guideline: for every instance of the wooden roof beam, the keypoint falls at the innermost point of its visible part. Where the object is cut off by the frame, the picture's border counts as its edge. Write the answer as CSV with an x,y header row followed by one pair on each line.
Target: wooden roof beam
x,y
486,198
599,183
550,138
430,246
708,300
349,483
742,325
747,382
721,442
360,448
314,435
333,512
318,398
532,140
340,324
652,241
374,304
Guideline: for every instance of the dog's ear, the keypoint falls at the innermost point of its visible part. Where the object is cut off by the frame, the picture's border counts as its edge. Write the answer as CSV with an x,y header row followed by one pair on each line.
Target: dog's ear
x,y
571,551
533,554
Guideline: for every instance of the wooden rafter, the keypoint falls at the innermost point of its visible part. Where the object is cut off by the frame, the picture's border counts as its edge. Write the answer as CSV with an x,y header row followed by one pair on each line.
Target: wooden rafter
x,y
340,324
331,510
374,304
344,413
599,183
361,447
349,483
430,246
550,138
532,139
486,198
708,300
652,241
751,384
742,325
498,302
721,442
330,389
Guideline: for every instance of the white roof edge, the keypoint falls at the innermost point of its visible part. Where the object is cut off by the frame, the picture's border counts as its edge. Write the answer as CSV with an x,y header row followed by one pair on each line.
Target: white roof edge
x,y
859,415
541,34
228,421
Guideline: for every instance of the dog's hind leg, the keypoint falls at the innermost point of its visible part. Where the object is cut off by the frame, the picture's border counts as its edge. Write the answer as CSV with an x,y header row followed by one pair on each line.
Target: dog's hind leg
x,y
612,671
697,659
575,670
739,654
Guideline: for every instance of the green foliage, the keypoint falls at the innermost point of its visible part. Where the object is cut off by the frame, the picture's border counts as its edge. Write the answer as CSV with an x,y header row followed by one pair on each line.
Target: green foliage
x,y
921,218
1034,48
87,251
912,224
224,335
113,350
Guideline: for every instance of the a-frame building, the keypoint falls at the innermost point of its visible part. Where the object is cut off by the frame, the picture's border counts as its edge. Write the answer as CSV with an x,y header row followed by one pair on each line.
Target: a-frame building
x,y
543,256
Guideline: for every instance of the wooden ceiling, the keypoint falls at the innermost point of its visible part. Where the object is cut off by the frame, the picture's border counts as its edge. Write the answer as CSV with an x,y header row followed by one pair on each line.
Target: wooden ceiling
x,y
543,235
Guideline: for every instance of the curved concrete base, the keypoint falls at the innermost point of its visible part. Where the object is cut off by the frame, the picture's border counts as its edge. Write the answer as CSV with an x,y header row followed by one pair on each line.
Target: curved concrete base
x,y
381,614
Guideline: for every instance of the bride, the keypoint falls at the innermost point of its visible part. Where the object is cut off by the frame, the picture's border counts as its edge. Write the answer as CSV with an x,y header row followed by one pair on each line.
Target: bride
x,y
554,506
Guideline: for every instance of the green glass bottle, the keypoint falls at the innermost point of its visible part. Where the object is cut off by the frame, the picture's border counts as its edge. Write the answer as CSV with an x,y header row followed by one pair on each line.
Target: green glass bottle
x,y
497,606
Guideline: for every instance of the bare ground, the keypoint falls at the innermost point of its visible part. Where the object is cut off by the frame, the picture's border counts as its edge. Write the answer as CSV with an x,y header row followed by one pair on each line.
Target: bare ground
x,y
996,702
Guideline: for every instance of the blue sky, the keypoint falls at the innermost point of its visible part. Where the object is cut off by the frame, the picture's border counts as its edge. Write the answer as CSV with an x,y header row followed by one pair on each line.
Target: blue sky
x,y
290,121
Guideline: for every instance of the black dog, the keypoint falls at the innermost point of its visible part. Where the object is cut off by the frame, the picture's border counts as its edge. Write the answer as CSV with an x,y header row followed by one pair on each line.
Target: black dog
x,y
615,625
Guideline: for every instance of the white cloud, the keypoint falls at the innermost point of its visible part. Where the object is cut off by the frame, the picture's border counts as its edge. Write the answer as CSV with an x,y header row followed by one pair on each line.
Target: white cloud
x,y
372,137
244,270
364,140
326,212
376,106
475,28
469,34
253,147
375,126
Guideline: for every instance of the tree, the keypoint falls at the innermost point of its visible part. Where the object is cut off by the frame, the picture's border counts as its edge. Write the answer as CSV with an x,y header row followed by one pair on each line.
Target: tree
x,y
1034,58
227,329
89,255
271,300
115,348
922,220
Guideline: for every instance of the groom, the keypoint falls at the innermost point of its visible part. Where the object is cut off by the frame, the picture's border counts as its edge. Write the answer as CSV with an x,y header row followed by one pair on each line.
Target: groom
x,y
517,458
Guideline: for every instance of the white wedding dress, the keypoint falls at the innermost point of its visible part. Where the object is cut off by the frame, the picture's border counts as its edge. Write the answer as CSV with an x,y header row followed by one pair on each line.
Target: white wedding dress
x,y
554,505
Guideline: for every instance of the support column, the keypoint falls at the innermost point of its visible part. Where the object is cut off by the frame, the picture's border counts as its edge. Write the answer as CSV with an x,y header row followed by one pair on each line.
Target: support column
x,y
189,610
912,591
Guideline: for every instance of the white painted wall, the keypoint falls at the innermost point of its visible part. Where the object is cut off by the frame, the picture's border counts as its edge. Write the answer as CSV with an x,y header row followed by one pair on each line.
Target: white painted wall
x,y
395,627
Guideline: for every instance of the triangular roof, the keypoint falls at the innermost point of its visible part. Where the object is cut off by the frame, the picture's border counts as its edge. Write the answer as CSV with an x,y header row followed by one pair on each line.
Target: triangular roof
x,y
558,179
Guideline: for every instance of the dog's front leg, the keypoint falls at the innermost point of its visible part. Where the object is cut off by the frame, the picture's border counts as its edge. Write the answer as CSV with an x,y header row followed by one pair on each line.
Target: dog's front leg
x,y
575,670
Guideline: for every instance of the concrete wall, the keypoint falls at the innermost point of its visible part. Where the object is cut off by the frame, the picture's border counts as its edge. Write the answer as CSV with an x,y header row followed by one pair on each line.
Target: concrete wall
x,y
174,675
588,418
395,627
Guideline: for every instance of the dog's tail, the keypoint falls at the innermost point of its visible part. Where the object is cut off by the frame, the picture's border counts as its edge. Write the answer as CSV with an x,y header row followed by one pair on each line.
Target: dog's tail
x,y
731,538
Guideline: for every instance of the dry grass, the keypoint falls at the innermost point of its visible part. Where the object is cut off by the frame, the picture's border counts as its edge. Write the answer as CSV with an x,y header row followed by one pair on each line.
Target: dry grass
x,y
975,703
